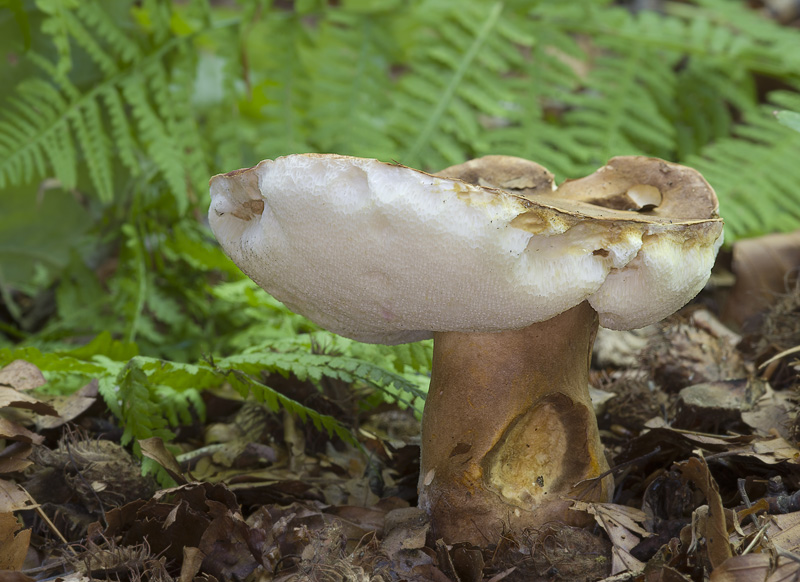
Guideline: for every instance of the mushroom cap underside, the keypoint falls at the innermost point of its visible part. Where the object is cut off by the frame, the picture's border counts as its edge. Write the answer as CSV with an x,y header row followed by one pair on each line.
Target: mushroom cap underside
x,y
383,253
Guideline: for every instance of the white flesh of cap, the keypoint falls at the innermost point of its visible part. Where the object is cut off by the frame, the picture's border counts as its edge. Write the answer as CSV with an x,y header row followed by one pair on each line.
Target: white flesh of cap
x,y
383,253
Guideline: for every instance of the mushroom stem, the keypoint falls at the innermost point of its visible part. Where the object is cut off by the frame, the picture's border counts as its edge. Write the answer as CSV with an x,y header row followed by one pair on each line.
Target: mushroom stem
x,y
508,432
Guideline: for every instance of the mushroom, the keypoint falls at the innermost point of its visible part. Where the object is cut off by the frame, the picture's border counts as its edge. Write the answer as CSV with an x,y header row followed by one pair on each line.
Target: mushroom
x,y
510,277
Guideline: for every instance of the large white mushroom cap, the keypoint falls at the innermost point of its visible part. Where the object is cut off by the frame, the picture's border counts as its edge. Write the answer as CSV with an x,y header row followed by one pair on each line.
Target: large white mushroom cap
x,y
383,253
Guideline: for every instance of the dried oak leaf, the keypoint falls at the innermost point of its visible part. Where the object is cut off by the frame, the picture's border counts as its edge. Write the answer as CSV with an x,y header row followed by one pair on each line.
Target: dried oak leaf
x,y
197,515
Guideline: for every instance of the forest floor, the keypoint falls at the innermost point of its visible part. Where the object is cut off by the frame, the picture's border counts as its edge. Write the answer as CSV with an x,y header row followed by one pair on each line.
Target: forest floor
x,y
699,422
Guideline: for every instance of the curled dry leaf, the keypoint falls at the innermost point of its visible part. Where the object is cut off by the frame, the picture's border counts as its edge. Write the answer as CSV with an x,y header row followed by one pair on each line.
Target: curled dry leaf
x,y
15,457
155,449
9,397
69,407
16,432
716,530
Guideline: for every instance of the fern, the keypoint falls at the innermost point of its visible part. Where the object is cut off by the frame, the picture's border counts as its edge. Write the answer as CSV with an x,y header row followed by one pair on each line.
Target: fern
x,y
790,119
756,172
68,126
436,119
283,89
347,94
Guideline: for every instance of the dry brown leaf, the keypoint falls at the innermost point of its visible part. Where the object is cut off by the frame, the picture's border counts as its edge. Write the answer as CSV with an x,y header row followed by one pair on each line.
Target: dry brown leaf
x,y
155,449
69,407
13,497
784,531
16,432
716,531
622,524
775,450
15,457
13,543
772,414
12,576
22,375
747,568
15,399
787,571
192,560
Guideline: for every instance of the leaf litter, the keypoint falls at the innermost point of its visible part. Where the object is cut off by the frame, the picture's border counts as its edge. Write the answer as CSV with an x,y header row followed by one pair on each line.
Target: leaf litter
x,y
700,424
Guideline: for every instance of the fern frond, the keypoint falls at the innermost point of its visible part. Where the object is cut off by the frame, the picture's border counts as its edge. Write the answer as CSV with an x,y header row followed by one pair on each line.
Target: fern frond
x,y
790,119
161,147
284,89
121,131
56,26
348,74
460,57
116,40
755,172
57,125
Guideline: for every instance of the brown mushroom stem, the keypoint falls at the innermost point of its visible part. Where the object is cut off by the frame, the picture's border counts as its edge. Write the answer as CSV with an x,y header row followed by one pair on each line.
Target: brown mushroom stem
x,y
508,433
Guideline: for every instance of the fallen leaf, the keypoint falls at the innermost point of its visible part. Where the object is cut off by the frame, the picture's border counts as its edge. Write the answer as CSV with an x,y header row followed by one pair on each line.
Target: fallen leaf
x,y
9,397
70,407
747,568
15,457
784,531
772,413
16,432
192,560
716,531
622,524
155,449
13,497
787,571
775,450
13,543
22,375
13,576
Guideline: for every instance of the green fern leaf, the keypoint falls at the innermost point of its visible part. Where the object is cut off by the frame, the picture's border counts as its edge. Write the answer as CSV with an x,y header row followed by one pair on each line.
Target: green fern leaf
x,y
115,38
790,119
56,26
755,172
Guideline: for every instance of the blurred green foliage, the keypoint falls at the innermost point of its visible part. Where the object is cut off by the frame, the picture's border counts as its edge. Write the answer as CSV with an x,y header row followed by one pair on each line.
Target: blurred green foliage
x,y
115,114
